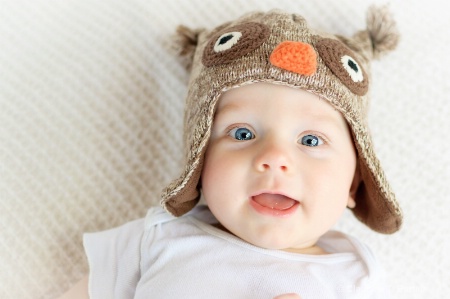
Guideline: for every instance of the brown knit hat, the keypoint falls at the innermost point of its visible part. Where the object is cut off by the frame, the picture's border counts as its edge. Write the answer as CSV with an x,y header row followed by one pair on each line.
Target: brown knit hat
x,y
279,47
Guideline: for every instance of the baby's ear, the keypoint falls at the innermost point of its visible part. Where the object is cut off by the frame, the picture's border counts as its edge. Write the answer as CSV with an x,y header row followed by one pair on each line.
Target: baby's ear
x,y
186,41
354,188
381,35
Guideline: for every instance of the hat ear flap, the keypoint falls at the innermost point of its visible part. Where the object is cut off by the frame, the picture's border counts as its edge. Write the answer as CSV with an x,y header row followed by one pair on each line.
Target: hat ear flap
x,y
381,35
186,41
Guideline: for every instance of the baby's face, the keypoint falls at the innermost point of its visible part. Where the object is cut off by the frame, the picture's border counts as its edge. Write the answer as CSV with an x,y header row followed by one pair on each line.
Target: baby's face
x,y
279,166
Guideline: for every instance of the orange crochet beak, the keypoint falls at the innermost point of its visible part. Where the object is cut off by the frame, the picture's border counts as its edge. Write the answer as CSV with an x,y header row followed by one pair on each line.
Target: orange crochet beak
x,y
296,57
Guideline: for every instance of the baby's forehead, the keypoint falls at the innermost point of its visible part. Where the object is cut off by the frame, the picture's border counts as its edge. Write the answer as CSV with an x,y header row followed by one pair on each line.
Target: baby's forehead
x,y
256,94
263,103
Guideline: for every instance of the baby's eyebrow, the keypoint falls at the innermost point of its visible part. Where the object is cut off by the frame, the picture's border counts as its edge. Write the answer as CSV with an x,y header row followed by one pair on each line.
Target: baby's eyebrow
x,y
325,118
328,120
309,116
227,108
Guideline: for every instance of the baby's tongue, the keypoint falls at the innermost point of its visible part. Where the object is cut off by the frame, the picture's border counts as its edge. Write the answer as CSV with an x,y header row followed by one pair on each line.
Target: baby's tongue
x,y
274,201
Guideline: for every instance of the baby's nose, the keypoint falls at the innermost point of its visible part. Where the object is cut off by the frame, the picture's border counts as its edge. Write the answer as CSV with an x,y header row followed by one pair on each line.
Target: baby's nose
x,y
296,57
272,158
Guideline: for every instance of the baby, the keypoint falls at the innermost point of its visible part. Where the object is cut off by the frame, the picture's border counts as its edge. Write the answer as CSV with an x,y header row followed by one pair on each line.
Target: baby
x,y
277,146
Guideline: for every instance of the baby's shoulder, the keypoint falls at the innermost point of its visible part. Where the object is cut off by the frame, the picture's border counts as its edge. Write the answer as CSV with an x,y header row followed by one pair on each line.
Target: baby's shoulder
x,y
339,242
158,217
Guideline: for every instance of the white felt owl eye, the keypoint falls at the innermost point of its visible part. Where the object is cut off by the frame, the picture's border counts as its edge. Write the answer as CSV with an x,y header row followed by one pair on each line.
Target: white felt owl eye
x,y
343,63
353,68
226,41
234,42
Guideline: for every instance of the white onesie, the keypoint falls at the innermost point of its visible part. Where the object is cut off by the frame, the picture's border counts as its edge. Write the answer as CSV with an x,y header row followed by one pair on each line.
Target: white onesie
x,y
166,257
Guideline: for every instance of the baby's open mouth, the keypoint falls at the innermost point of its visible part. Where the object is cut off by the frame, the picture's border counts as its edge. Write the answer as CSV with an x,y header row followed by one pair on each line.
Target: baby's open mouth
x,y
275,201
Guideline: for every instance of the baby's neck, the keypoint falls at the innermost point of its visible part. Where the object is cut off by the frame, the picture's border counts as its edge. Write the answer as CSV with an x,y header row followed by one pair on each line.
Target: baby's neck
x,y
313,250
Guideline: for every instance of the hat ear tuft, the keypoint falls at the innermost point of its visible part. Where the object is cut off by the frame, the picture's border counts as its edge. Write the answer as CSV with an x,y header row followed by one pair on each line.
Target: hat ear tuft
x,y
186,41
382,31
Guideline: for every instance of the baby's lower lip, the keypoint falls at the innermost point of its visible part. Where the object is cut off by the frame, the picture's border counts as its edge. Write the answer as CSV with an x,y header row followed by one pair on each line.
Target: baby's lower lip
x,y
269,211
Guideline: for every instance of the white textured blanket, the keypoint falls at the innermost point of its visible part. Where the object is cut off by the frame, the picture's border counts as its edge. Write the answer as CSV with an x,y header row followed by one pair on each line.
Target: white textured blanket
x,y
91,101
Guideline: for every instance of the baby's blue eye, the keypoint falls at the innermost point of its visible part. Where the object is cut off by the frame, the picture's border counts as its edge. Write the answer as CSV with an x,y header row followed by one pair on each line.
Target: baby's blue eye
x,y
242,134
311,140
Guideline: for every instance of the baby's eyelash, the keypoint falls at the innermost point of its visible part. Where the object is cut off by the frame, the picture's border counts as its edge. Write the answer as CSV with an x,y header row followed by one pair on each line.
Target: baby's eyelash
x,y
237,126
323,137
318,134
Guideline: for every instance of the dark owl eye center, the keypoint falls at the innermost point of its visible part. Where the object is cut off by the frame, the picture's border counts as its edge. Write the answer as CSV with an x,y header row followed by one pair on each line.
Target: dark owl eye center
x,y
353,65
224,39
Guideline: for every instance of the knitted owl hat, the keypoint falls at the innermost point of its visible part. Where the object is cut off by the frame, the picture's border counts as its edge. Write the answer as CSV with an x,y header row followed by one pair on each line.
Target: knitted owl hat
x,y
279,48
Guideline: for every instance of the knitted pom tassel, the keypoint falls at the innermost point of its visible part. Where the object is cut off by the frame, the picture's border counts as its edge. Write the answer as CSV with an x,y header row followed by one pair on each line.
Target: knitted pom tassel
x,y
382,31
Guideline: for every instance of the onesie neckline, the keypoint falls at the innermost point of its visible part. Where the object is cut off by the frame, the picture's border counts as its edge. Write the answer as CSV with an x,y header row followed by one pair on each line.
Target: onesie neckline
x,y
204,220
